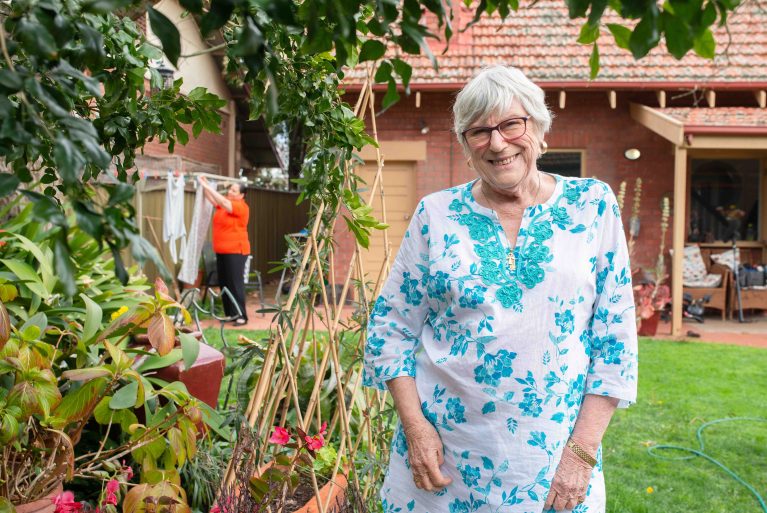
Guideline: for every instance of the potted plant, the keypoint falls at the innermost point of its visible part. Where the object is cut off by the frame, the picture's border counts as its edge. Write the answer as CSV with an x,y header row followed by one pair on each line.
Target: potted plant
x,y
70,385
650,300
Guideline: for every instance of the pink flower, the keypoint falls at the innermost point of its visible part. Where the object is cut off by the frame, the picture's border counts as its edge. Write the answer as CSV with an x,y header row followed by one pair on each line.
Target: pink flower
x,y
324,428
65,503
127,471
315,443
113,485
215,509
281,436
111,498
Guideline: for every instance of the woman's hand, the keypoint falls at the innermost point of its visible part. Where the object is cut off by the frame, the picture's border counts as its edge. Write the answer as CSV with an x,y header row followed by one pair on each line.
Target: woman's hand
x,y
424,448
570,482
203,180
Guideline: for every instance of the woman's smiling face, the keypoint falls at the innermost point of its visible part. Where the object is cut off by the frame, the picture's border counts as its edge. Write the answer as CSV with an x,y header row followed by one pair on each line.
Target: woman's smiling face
x,y
502,164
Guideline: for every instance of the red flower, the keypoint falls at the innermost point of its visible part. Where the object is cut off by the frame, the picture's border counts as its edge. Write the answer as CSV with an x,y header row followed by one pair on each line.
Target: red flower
x,y
315,443
215,509
281,436
65,503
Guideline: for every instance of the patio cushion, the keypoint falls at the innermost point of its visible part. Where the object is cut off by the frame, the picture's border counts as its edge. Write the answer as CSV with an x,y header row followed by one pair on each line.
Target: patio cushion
x,y
709,281
726,258
694,269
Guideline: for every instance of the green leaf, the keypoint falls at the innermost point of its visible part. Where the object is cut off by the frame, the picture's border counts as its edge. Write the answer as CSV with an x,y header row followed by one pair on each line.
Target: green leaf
x,y
392,96
678,36
65,269
168,34
621,35
404,70
93,318
104,6
160,362
103,414
705,45
126,397
372,50
589,34
190,348
77,403
28,275
645,36
383,73
10,80
594,62
217,16
86,374
68,159
8,184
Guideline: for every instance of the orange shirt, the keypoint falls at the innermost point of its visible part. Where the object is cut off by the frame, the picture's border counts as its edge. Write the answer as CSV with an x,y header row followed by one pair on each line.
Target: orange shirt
x,y
230,231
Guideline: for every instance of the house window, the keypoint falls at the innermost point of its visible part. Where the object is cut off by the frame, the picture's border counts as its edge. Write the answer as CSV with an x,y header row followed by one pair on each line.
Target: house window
x,y
565,163
724,200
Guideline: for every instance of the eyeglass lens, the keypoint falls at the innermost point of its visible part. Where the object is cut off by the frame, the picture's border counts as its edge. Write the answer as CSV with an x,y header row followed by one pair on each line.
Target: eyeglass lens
x,y
510,129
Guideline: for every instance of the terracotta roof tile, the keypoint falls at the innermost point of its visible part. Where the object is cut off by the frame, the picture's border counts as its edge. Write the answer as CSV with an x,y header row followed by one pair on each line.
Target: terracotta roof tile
x,y
541,40
718,117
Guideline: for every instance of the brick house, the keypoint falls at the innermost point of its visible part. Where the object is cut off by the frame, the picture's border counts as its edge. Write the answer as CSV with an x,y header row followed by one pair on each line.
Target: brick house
x,y
700,127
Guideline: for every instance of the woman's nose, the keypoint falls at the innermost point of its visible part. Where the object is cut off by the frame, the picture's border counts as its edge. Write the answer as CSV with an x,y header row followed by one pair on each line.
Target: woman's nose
x,y
497,142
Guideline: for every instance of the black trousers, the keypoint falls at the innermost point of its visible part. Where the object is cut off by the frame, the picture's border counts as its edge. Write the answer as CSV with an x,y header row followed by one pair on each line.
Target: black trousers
x,y
231,274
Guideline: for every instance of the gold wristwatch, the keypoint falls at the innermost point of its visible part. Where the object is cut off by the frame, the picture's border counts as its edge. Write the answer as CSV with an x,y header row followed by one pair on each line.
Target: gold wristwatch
x,y
581,453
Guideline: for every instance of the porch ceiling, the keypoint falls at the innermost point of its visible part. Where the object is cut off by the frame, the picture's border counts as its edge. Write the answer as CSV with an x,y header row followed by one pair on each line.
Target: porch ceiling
x,y
736,128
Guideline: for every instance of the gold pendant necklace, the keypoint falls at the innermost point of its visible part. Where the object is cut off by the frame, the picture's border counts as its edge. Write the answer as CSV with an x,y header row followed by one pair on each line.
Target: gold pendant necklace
x,y
511,260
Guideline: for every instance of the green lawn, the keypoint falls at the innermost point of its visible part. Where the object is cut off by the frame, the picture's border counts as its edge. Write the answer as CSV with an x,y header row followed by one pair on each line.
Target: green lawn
x,y
682,386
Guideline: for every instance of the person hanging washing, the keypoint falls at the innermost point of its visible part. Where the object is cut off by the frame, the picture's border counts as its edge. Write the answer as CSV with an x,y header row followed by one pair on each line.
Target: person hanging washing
x,y
230,243
505,331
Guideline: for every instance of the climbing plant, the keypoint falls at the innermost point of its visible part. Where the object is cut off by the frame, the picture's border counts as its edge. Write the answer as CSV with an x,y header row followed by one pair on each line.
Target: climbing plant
x,y
73,102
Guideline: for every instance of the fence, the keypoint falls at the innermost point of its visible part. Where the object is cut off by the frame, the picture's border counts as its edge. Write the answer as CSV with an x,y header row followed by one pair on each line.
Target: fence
x,y
272,215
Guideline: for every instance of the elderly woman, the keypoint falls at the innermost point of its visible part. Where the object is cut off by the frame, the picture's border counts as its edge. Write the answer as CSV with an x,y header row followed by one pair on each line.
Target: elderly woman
x,y
505,331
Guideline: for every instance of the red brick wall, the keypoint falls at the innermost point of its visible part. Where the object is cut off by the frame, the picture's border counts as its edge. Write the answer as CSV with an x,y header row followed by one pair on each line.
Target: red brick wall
x,y
587,123
208,148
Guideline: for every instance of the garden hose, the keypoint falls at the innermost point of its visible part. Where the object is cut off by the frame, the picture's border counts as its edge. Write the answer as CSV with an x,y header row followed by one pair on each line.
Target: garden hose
x,y
699,453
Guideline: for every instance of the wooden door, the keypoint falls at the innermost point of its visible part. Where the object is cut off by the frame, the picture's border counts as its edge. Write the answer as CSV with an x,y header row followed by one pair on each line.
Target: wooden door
x,y
399,184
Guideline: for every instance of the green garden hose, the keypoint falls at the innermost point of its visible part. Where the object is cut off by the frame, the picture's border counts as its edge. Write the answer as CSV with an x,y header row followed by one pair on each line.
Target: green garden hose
x,y
699,453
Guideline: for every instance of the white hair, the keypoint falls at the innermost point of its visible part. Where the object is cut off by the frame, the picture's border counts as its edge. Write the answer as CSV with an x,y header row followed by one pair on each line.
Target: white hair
x,y
492,91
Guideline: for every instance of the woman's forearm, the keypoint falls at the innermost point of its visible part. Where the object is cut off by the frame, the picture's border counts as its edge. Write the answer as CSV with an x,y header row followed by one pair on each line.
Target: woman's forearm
x,y
406,400
593,419
216,197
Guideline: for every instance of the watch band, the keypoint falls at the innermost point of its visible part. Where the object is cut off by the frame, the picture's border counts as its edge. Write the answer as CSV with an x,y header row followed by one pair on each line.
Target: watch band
x,y
581,453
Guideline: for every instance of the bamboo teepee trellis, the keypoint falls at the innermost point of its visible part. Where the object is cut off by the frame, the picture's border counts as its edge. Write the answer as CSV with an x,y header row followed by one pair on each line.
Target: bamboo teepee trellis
x,y
276,390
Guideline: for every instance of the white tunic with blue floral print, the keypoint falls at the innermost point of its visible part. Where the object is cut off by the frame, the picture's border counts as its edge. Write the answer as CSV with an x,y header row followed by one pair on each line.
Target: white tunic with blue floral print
x,y
501,358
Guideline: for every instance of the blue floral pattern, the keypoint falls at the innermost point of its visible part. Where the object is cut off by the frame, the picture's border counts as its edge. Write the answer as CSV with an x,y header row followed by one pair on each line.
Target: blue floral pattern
x,y
503,357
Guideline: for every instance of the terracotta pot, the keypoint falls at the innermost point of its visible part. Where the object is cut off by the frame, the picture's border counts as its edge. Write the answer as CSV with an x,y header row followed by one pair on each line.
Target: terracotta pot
x,y
44,505
336,494
203,379
649,327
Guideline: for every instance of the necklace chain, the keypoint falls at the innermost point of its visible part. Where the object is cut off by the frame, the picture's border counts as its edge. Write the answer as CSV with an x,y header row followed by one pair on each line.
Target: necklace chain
x,y
511,260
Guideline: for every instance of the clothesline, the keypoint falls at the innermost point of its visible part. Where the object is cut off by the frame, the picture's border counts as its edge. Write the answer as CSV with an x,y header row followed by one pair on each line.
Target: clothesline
x,y
159,175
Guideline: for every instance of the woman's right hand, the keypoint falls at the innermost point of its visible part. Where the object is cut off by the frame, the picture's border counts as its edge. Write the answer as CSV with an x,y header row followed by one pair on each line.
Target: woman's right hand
x,y
203,180
425,455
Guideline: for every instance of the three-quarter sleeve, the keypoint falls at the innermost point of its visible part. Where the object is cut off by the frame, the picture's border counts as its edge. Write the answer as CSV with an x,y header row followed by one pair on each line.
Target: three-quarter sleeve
x,y
395,324
613,367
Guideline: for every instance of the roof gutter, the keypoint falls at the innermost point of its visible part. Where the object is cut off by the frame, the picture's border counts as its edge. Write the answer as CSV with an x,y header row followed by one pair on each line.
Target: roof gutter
x,y
584,85
724,130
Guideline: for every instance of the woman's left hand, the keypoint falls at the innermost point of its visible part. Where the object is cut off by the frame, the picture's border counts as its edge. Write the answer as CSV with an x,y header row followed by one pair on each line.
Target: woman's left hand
x,y
570,482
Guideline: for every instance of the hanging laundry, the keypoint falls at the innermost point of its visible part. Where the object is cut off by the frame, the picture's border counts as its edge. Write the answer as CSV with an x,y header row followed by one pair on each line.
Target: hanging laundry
x,y
198,232
173,227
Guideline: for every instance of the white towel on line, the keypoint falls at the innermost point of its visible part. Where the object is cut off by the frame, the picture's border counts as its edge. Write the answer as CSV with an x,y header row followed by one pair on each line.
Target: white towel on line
x,y
173,227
